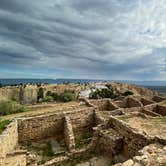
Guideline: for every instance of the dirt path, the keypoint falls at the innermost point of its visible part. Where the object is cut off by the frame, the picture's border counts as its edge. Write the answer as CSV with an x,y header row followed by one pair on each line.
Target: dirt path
x,y
44,108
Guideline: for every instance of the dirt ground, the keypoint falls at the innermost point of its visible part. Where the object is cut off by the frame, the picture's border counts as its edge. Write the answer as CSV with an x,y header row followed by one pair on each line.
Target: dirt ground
x,y
151,126
96,161
163,103
45,108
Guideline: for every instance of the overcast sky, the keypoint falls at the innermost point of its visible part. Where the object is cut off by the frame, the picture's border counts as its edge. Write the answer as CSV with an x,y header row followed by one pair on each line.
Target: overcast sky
x,y
96,39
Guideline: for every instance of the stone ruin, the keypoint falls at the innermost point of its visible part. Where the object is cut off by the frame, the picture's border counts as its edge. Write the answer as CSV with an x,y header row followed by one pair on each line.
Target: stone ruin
x,y
82,137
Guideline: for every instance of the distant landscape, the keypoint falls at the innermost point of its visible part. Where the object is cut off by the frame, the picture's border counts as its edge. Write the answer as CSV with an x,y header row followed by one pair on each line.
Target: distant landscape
x,y
60,81
159,86
160,89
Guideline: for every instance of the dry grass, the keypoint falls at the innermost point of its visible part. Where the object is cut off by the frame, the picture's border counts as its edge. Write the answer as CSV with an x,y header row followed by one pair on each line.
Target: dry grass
x,y
163,103
152,126
45,109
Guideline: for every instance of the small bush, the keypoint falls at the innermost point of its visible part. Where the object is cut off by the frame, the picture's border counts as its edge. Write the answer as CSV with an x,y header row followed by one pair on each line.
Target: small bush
x,y
67,96
48,99
3,125
10,107
55,96
40,94
47,151
127,93
49,93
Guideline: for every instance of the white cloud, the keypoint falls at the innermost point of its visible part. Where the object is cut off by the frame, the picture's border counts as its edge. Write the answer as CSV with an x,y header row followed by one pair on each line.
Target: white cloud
x,y
101,37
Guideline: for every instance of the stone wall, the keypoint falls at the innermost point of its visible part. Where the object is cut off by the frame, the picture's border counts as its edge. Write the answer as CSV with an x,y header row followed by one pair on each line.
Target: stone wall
x,y
8,144
12,93
28,95
117,132
69,135
146,101
131,102
23,95
52,125
158,98
151,155
41,127
82,120
9,138
109,143
104,104
132,139
160,110
121,103
148,112
16,158
109,105
150,107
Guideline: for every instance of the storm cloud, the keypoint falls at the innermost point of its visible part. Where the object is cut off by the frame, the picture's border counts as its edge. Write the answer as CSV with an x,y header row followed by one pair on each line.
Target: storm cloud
x,y
105,39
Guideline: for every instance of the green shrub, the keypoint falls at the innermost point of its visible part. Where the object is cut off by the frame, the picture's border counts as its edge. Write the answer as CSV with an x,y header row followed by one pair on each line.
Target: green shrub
x,y
3,125
102,93
127,93
49,93
47,151
55,96
9,107
40,93
48,99
84,139
67,96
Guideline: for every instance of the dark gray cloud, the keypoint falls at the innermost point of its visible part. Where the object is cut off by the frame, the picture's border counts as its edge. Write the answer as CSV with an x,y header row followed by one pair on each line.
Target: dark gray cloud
x,y
116,39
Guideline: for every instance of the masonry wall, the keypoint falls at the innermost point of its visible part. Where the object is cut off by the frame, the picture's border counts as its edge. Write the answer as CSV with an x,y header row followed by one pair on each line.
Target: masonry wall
x,y
104,104
109,144
121,103
101,104
82,120
146,101
41,127
14,159
9,139
69,135
44,126
131,102
132,140
158,98
28,95
23,95
10,93
160,110
121,137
